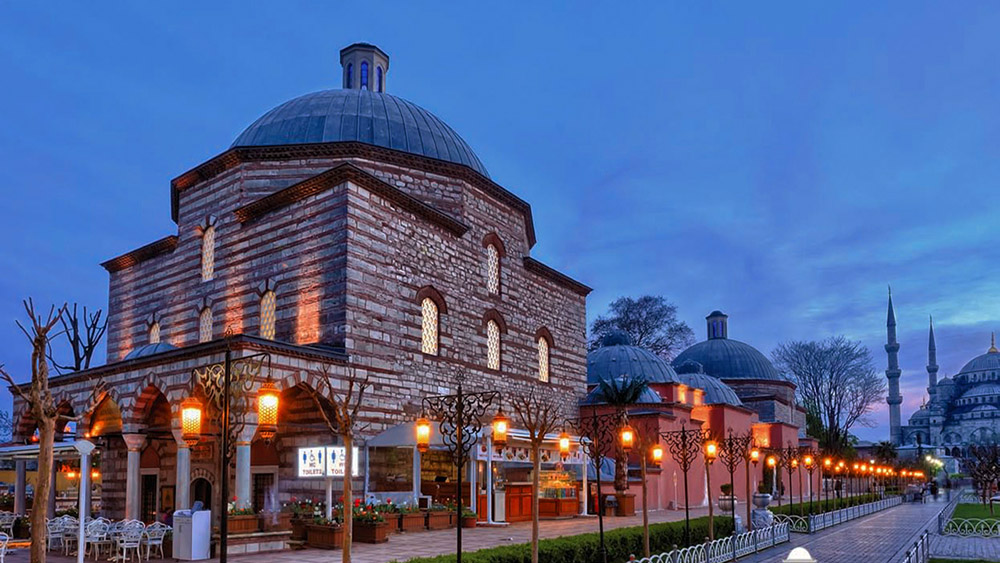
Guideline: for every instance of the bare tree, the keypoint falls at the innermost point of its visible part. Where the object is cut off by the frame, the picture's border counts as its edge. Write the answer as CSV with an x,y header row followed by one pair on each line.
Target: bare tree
x,y
836,380
82,342
650,321
539,415
45,412
6,426
340,413
647,435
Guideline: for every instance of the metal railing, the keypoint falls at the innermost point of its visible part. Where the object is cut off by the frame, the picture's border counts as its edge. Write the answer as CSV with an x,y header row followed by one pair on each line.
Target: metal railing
x,y
723,549
920,552
815,522
948,525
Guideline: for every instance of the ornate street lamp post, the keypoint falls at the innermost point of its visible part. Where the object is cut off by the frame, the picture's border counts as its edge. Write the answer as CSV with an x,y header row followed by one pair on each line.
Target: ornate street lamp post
x,y
772,464
460,419
598,431
685,446
788,458
753,458
733,450
824,477
227,385
711,452
809,461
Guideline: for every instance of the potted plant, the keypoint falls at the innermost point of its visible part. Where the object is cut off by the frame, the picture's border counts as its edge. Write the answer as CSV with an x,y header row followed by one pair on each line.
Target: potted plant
x,y
469,518
370,525
324,534
726,500
242,520
762,497
438,517
411,518
303,512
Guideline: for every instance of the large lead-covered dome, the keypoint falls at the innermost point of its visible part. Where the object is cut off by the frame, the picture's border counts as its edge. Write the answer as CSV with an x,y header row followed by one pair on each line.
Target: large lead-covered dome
x,y
361,112
725,358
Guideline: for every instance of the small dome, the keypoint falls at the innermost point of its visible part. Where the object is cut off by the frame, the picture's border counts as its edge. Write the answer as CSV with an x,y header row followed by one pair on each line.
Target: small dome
x,y
726,358
946,381
690,366
621,359
921,414
616,338
596,397
716,392
982,408
149,350
984,390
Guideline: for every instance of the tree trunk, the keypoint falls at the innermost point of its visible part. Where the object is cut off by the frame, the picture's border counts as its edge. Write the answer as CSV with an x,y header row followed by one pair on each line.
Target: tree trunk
x,y
645,511
536,480
43,486
348,497
621,470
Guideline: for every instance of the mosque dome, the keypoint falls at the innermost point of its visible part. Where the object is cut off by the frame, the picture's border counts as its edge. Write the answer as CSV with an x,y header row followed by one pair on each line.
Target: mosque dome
x,y
716,392
618,357
149,350
984,390
361,112
725,358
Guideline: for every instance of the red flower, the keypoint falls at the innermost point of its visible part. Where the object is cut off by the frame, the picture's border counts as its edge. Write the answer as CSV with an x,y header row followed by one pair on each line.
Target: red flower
x,y
357,502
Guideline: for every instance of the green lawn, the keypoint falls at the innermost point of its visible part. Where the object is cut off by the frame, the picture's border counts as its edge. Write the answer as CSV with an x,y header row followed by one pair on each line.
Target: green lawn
x,y
975,510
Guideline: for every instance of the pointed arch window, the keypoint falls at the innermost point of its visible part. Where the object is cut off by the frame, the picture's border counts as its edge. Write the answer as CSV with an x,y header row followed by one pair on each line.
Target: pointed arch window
x,y
364,75
543,359
205,325
429,338
492,345
492,269
154,333
268,304
208,253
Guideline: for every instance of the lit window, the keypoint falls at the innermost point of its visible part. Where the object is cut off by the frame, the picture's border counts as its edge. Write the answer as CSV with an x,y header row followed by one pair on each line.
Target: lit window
x,y
492,345
267,306
208,254
154,333
364,76
492,269
350,75
543,359
205,325
429,324
378,78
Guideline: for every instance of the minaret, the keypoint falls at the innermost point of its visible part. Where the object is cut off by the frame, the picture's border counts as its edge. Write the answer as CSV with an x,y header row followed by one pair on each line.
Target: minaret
x,y
932,367
892,373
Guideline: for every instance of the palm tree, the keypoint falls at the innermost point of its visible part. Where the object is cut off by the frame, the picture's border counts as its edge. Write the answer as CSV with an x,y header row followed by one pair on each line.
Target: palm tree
x,y
621,392
885,452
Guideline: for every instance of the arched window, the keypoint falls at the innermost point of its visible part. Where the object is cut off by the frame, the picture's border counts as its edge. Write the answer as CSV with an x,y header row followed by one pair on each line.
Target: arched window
x,y
429,326
543,359
364,75
378,78
267,312
350,75
492,269
205,325
492,345
208,253
154,333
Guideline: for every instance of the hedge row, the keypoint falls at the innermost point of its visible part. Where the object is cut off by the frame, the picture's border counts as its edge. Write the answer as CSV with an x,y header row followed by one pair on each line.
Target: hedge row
x,y
584,548
819,507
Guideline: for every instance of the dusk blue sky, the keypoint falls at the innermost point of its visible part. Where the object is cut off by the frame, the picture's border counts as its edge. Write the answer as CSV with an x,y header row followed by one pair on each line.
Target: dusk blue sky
x,y
783,163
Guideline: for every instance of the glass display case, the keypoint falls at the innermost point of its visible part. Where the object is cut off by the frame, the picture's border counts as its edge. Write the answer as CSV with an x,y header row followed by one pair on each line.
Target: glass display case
x,y
557,495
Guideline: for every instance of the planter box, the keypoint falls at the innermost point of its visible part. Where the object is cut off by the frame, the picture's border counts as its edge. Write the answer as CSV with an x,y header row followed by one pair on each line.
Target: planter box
x,y
626,505
469,521
243,524
412,522
371,532
299,526
279,522
438,520
325,537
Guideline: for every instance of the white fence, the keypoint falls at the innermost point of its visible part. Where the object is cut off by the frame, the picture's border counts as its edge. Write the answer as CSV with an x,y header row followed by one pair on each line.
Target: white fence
x,y
723,549
948,525
815,522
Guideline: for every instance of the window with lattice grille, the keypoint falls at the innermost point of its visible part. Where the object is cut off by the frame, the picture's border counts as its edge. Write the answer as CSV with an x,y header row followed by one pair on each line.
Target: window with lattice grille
x,y
205,325
543,359
154,333
429,326
208,254
267,312
492,269
492,345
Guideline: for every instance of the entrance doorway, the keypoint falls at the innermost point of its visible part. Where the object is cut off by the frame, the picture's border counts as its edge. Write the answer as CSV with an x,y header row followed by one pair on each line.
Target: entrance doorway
x,y
148,495
201,490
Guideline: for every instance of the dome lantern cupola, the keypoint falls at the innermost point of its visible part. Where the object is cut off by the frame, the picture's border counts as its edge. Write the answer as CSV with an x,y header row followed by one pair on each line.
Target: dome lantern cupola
x,y
718,325
365,67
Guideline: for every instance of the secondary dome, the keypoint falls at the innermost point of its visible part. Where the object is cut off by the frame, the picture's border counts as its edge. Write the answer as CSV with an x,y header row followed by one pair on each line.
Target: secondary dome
x,y
725,358
361,112
984,390
617,357
149,350
716,392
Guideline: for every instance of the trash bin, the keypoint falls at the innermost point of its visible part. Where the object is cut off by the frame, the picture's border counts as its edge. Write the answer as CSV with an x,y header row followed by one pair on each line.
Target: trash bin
x,y
610,504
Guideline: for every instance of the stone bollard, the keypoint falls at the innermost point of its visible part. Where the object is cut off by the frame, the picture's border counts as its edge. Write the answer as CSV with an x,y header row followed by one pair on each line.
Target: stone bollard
x,y
799,555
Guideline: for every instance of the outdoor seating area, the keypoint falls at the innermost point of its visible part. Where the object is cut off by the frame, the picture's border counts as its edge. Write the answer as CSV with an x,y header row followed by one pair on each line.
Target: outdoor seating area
x,y
122,540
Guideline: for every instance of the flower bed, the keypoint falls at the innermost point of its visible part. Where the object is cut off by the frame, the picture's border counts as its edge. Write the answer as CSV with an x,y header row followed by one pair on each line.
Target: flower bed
x,y
242,523
325,535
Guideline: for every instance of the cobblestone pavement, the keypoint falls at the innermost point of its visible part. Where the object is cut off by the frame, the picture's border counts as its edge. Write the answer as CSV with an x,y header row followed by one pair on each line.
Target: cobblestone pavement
x,y
965,548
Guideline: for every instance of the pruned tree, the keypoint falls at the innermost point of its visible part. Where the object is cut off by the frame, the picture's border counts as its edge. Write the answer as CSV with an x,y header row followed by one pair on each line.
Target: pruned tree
x,y
539,414
344,399
621,392
836,380
45,412
83,340
647,435
650,321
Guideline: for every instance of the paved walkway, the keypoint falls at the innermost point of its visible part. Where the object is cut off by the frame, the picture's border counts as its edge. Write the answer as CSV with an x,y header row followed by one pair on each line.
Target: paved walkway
x,y
987,549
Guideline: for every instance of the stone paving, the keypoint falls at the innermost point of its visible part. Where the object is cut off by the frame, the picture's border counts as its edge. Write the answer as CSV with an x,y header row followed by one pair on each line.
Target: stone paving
x,y
965,548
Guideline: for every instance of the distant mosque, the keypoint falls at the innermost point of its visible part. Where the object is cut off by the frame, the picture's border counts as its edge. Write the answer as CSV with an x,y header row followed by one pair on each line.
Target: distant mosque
x,y
962,411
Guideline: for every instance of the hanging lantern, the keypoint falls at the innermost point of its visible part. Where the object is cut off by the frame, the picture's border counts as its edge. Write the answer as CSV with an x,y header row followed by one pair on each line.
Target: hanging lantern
x,y
423,434
808,461
563,444
191,420
754,456
827,463
657,454
267,410
628,438
95,474
795,463
711,451
772,461
500,426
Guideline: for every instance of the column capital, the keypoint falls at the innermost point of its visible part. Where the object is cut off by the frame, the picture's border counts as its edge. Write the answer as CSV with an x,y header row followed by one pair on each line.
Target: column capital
x,y
178,437
134,442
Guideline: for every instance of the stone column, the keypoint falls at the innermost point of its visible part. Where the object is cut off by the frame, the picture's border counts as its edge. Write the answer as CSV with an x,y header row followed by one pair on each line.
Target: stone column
x,y
182,487
243,498
20,483
134,443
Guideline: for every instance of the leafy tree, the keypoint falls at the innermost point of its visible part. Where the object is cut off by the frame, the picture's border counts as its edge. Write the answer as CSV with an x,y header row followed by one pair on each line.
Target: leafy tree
x,y
836,380
651,322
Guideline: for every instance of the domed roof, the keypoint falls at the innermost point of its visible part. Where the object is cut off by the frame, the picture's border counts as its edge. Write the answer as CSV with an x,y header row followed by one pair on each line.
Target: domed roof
x,y
364,116
149,350
729,359
716,392
596,396
617,357
981,408
989,361
984,390
921,414
946,381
